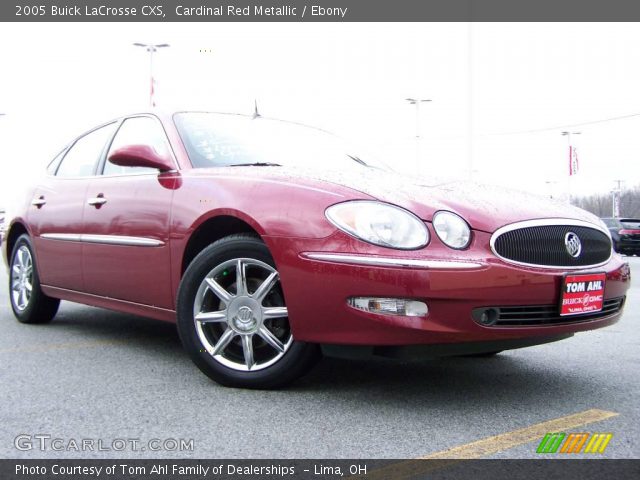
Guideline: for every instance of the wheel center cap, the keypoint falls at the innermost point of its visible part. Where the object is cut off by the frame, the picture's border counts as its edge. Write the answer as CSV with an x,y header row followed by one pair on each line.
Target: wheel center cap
x,y
244,315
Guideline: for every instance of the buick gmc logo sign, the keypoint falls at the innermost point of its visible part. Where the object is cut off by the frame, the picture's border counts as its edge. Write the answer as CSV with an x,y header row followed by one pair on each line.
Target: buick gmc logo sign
x,y
573,244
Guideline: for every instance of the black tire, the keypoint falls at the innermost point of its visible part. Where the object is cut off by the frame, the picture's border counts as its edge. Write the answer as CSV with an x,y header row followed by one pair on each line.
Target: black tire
x,y
295,361
38,308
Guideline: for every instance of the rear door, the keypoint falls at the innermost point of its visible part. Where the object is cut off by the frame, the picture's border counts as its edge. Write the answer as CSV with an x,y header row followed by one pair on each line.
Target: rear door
x,y
57,208
127,217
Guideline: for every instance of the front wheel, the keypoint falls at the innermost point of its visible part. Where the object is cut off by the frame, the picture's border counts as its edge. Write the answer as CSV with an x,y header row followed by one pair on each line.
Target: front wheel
x,y
28,302
233,320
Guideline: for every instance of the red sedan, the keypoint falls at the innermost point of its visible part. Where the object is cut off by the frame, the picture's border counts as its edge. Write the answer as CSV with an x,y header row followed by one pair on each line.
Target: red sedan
x,y
269,242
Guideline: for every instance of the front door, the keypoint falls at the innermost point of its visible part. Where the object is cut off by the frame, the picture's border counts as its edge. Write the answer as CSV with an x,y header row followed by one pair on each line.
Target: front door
x,y
127,216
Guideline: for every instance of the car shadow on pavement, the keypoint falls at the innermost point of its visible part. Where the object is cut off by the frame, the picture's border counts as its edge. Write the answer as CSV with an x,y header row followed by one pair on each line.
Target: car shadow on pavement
x,y
510,377
96,324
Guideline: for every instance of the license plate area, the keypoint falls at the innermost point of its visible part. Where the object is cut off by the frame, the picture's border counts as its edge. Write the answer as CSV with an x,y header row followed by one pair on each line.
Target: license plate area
x,y
582,293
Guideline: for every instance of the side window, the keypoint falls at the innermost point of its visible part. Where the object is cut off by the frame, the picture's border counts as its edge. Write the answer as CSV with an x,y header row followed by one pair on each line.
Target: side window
x,y
137,131
81,159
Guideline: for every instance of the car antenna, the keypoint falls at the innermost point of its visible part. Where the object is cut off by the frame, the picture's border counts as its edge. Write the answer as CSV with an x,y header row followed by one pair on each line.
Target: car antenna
x,y
256,114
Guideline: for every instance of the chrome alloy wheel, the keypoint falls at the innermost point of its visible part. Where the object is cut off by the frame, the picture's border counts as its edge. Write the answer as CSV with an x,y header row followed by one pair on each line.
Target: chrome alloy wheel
x,y
240,315
21,278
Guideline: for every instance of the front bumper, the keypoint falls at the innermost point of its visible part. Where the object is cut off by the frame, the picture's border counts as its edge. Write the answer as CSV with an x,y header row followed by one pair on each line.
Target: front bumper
x,y
451,283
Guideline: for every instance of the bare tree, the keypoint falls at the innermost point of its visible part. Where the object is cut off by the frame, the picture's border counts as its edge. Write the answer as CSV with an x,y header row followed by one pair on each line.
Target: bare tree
x,y
601,204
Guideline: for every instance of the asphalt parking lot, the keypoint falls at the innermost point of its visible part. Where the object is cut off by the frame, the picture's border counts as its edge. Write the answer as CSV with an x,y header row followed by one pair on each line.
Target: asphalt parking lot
x,y
94,374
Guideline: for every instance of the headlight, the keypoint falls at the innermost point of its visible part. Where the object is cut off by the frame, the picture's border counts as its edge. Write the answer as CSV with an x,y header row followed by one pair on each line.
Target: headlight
x,y
452,229
379,223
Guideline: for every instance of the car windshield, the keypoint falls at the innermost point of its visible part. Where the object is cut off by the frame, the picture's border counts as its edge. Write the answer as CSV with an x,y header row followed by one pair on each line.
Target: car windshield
x,y
222,140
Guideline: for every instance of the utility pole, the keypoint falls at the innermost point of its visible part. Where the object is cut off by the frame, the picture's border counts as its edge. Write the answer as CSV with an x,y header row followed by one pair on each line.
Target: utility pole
x,y
151,49
417,102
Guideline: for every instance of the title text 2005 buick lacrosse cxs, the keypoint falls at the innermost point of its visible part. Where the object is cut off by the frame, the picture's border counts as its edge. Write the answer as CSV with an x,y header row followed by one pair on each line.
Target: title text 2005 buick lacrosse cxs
x,y
270,242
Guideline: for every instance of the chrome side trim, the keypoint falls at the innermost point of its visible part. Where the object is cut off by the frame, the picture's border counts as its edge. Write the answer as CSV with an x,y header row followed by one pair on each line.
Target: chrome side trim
x,y
393,262
122,240
544,222
65,237
105,239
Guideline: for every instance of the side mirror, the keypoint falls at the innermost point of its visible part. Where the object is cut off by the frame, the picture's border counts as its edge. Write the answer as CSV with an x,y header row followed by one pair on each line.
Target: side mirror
x,y
140,156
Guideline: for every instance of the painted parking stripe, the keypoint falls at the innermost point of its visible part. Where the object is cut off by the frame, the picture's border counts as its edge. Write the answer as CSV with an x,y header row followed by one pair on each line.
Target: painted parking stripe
x,y
505,441
494,444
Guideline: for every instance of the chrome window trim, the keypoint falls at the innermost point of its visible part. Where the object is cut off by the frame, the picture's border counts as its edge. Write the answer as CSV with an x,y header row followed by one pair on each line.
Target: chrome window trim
x,y
104,239
392,262
545,222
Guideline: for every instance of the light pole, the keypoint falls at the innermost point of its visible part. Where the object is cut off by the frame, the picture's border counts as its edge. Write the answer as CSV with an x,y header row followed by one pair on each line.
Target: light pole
x,y
417,102
573,169
151,49
615,201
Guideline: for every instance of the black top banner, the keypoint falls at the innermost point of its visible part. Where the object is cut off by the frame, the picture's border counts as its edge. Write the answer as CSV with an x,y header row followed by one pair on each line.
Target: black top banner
x,y
320,11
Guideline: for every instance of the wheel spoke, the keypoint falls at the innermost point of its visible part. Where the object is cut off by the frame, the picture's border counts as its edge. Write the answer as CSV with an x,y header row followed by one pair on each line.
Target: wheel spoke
x,y
21,260
22,297
222,343
247,348
274,312
212,317
241,278
15,284
217,289
16,270
265,287
28,286
271,339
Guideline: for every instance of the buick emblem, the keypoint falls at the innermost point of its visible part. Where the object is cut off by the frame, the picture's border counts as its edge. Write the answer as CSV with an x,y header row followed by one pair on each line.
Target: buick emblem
x,y
573,244
245,314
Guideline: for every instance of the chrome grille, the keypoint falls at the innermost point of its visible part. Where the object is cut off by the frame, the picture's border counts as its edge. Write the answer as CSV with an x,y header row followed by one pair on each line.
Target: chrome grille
x,y
540,244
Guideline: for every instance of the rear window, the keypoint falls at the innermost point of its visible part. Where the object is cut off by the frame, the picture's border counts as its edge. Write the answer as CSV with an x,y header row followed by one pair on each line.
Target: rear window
x,y
611,222
630,224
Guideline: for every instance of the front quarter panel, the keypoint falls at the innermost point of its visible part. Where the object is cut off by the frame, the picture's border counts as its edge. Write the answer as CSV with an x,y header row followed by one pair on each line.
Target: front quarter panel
x,y
272,206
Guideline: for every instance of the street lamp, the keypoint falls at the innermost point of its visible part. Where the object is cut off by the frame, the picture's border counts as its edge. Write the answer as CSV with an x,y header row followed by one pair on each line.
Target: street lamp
x,y
151,48
417,102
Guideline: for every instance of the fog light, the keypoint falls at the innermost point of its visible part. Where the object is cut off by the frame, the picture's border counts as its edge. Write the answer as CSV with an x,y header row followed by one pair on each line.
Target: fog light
x,y
390,306
489,317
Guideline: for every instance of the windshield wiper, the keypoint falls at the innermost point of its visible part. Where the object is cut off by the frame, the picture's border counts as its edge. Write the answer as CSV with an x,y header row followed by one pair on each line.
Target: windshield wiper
x,y
255,164
356,159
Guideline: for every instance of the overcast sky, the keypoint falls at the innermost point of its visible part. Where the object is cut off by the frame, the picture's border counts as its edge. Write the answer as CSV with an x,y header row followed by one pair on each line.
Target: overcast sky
x,y
502,92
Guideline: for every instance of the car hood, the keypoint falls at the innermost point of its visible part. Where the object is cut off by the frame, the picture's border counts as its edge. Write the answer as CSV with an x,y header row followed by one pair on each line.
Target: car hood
x,y
485,207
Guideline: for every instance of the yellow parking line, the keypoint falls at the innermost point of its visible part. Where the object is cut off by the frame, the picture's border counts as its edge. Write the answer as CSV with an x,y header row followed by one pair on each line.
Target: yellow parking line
x,y
488,446
505,441
60,346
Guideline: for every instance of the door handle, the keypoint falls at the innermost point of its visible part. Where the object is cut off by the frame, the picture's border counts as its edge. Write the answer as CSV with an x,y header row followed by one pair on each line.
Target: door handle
x,y
39,201
97,201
